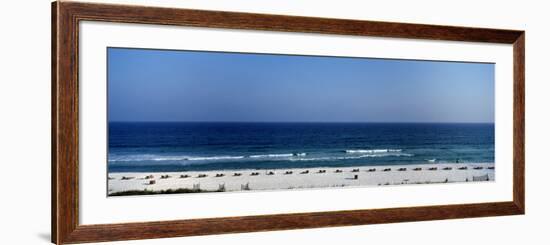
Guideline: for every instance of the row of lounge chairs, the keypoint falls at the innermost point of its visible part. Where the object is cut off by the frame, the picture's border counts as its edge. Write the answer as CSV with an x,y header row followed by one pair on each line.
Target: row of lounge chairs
x,y
321,171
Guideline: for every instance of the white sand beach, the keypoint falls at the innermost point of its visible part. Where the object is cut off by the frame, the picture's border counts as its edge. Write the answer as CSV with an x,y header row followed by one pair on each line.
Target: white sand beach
x,y
274,179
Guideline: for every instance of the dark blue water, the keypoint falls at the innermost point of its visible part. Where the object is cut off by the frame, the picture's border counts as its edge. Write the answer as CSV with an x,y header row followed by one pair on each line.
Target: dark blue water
x,y
143,147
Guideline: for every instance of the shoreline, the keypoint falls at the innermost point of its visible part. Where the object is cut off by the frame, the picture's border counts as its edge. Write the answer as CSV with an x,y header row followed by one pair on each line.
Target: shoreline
x,y
148,183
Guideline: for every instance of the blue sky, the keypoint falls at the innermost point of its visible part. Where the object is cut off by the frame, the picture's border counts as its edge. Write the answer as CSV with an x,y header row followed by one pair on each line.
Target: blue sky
x,y
167,85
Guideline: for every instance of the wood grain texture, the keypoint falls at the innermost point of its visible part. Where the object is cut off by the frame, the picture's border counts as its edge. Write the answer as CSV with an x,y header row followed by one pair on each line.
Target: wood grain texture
x,y
54,123
65,124
149,230
235,20
519,122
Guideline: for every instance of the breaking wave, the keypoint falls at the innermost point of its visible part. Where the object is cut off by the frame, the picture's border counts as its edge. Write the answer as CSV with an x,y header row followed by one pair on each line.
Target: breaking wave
x,y
372,151
332,158
279,155
297,156
152,157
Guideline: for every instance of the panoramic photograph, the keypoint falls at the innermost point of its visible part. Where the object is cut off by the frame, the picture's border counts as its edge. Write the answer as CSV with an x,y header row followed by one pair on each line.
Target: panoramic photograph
x,y
203,121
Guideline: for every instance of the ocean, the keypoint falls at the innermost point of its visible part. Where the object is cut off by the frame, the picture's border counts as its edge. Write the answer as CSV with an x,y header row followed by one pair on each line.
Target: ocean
x,y
186,146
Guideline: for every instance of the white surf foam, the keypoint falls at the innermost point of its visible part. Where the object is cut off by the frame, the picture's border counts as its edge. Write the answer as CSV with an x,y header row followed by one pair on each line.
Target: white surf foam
x,y
372,151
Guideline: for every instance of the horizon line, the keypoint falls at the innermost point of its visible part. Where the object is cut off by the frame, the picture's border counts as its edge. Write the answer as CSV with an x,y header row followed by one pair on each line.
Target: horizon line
x,y
141,121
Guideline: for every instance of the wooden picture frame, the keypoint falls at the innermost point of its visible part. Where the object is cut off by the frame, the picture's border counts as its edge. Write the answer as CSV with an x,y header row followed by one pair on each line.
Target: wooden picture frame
x,y
65,121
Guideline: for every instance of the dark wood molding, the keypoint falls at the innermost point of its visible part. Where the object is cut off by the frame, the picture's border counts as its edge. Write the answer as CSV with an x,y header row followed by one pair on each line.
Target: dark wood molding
x,y
519,123
54,123
236,20
65,121
195,227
